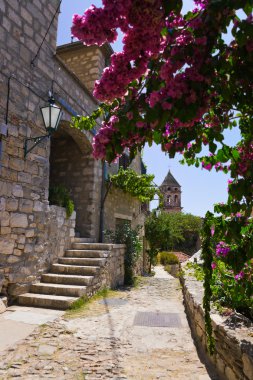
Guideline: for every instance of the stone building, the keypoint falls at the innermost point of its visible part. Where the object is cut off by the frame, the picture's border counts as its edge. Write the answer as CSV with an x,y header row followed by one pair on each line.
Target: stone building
x,y
34,234
171,191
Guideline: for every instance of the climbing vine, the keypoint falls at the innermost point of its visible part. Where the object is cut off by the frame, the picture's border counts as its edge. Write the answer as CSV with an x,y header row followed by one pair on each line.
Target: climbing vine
x,y
140,186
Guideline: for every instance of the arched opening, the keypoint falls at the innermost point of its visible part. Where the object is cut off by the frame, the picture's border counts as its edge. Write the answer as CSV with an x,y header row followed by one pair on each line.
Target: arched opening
x,y
176,199
73,167
168,199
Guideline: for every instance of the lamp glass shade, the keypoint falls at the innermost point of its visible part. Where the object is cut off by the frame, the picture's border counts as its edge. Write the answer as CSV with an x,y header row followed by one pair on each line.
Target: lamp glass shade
x,y
51,116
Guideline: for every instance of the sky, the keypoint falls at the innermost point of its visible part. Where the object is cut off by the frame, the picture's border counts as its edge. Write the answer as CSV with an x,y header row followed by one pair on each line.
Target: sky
x,y
201,189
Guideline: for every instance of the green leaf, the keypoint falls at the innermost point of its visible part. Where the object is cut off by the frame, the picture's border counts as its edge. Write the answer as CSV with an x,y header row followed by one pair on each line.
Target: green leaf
x,y
248,8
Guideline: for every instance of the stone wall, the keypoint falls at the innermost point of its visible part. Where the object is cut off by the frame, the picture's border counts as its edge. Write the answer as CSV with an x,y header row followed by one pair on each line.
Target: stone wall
x,y
233,357
35,249
28,239
112,274
86,62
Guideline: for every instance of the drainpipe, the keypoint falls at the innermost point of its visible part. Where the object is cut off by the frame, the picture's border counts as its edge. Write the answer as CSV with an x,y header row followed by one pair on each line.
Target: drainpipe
x,y
104,193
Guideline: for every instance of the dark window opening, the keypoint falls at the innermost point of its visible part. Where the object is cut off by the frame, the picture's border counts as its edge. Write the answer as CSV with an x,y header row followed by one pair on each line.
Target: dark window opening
x,y
124,161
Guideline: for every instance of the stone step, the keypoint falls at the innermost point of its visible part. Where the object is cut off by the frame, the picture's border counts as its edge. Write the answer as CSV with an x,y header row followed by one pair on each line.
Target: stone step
x,y
82,261
84,253
74,269
95,246
67,279
46,300
84,240
58,289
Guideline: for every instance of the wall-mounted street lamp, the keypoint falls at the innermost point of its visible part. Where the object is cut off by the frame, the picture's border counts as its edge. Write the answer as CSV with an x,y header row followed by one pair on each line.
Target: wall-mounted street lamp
x,y
51,115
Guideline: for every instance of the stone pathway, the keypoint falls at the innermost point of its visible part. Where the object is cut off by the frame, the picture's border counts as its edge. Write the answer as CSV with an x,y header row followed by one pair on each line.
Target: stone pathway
x,y
111,340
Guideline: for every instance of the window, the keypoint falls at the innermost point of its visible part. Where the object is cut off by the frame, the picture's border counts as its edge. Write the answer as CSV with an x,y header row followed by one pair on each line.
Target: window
x,y
176,199
119,223
169,188
124,161
169,199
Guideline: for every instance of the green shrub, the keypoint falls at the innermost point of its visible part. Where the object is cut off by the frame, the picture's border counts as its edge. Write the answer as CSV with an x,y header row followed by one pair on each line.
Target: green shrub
x,y
124,234
168,258
59,196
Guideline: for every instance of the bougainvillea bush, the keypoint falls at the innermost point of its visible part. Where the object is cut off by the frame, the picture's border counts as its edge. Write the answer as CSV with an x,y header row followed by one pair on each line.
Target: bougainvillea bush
x,y
181,81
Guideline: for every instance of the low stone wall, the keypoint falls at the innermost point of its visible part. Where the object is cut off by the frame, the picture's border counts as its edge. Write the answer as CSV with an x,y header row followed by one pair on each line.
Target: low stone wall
x,y
112,273
233,357
51,236
60,231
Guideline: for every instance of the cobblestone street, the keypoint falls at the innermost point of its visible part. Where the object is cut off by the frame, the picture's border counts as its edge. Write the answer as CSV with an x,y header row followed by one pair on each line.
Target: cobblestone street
x,y
126,337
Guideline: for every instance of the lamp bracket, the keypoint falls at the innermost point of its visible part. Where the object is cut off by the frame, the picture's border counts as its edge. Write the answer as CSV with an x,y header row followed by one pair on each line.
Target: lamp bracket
x,y
36,140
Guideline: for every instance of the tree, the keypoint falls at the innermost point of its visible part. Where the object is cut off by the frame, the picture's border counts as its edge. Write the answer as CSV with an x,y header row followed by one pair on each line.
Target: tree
x,y
180,84
169,231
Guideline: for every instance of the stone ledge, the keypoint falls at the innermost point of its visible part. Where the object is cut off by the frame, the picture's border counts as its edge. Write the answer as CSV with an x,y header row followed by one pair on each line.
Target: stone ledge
x,y
233,357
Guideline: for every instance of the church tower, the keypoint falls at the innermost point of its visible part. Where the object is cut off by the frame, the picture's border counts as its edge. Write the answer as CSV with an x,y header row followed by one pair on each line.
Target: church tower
x,y
171,191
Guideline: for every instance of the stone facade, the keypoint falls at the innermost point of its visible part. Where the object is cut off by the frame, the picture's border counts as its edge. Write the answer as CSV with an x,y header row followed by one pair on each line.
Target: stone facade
x,y
120,207
171,191
233,356
33,233
86,62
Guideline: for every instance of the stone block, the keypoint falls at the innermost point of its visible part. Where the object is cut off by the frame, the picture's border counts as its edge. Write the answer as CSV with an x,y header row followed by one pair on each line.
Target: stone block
x,y
26,205
38,206
12,204
39,248
12,130
26,15
6,246
28,248
247,366
30,233
5,230
25,131
17,252
16,164
35,196
21,239
18,220
17,191
4,219
24,177
5,188
2,204
13,259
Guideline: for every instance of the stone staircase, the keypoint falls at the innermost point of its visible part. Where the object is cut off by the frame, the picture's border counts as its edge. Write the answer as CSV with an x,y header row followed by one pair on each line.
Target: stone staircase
x,y
76,274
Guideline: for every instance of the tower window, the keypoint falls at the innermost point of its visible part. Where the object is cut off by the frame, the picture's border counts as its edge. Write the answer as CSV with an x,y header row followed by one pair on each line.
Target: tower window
x,y
124,161
169,188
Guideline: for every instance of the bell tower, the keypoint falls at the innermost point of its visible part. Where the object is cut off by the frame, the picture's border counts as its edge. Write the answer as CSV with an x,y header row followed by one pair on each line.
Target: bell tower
x,y
171,191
